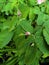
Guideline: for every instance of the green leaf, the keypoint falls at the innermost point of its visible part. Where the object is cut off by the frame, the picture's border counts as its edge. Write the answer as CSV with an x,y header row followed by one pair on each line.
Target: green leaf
x,y
11,60
32,2
24,10
42,18
2,4
31,14
36,10
46,25
47,7
32,54
9,6
26,26
41,43
10,24
46,35
5,38
22,43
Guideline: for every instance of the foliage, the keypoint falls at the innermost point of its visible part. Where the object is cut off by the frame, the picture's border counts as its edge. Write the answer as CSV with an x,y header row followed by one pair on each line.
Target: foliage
x,y
16,18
